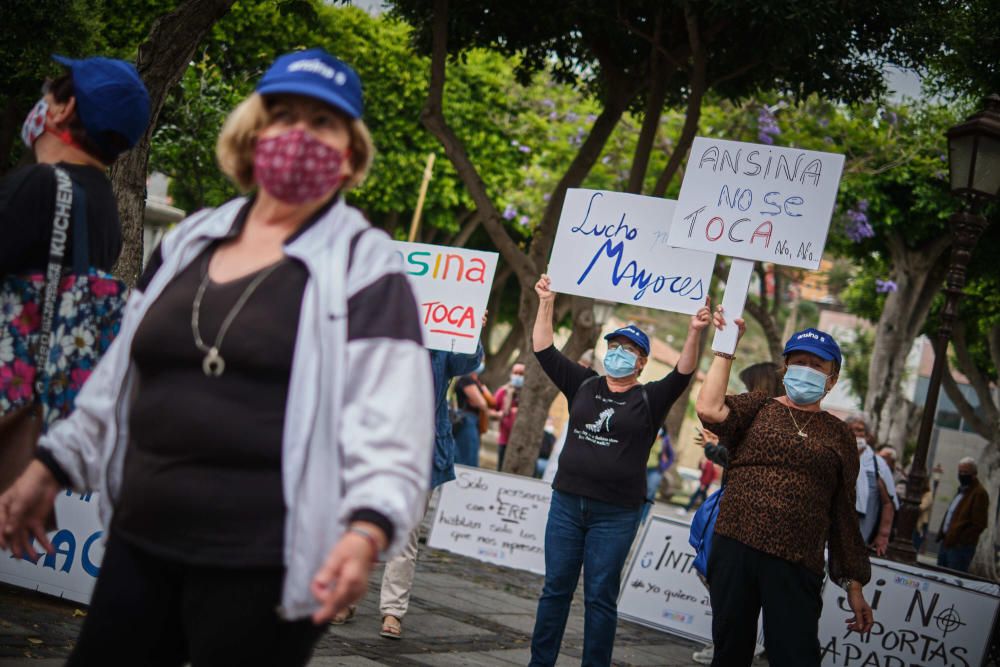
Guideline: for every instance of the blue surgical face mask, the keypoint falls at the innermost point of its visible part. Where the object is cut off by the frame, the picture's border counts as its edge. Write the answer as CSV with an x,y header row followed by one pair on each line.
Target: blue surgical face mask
x,y
517,381
619,362
804,385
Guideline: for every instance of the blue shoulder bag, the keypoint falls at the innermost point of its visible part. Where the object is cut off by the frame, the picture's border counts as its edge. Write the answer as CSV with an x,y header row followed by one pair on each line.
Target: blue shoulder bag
x,y
702,528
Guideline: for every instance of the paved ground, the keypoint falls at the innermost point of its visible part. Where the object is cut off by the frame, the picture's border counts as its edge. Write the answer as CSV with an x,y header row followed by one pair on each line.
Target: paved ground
x,y
462,612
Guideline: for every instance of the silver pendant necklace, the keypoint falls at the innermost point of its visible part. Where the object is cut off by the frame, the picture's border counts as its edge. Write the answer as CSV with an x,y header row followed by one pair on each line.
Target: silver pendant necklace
x,y
213,365
801,433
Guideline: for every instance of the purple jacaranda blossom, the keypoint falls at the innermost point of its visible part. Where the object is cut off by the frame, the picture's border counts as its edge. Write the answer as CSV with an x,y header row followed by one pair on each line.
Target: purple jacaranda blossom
x,y
885,286
528,182
510,212
824,122
571,117
858,228
891,117
549,104
515,142
553,115
606,159
524,149
591,117
546,196
523,220
767,126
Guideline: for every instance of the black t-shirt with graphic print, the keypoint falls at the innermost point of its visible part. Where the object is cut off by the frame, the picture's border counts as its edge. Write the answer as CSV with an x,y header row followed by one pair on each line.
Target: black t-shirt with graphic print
x,y
609,433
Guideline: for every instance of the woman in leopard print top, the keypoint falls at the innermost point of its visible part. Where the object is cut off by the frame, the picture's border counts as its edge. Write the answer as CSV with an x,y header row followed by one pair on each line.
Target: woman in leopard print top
x,y
789,494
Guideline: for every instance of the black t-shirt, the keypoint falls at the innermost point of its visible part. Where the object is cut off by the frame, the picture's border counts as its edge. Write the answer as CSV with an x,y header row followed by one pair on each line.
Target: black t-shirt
x,y
202,480
27,204
609,434
460,397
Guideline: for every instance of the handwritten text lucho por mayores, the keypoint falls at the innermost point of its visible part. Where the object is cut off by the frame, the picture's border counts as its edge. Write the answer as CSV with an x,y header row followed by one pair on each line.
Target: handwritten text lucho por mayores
x,y
613,246
757,202
452,286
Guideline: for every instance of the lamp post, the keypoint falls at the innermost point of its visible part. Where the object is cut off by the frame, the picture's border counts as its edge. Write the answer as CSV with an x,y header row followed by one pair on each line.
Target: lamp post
x,y
974,168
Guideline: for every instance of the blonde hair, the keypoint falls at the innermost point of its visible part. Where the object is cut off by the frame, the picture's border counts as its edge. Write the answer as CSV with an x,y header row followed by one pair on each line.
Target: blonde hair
x,y
235,148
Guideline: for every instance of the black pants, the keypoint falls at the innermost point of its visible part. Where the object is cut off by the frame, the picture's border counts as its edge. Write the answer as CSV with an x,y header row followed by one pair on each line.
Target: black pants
x,y
150,611
742,581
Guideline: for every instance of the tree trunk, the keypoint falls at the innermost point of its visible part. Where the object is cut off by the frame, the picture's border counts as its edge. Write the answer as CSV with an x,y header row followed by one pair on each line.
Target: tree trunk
x,y
918,273
498,364
986,562
163,57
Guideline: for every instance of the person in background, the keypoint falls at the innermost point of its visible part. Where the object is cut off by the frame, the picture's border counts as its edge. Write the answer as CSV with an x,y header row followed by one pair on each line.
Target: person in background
x,y
507,398
708,475
474,402
924,520
789,495
586,360
84,120
545,451
397,579
600,488
875,495
659,462
965,519
261,428
888,453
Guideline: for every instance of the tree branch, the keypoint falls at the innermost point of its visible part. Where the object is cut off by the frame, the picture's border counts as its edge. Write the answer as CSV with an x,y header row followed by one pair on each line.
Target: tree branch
x,y
964,407
979,382
433,119
651,117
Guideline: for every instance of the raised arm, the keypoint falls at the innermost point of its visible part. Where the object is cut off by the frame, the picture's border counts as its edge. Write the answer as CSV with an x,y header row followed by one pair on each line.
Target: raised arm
x,y
711,403
688,361
542,336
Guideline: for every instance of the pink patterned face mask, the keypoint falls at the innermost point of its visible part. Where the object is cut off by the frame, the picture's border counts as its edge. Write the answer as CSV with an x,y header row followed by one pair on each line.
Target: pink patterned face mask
x,y
296,167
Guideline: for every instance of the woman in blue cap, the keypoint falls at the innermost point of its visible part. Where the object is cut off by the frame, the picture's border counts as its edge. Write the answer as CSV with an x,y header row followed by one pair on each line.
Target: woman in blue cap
x,y
789,494
261,429
600,486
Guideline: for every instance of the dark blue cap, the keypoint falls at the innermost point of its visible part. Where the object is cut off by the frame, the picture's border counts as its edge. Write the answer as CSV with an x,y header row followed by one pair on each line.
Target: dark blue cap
x,y
315,73
815,342
634,334
110,97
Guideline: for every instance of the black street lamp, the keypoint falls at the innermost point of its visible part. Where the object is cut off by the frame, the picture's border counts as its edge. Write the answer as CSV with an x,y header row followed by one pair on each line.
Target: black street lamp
x,y
974,167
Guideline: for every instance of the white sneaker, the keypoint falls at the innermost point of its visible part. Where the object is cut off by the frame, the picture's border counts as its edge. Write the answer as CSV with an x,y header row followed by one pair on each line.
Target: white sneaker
x,y
705,655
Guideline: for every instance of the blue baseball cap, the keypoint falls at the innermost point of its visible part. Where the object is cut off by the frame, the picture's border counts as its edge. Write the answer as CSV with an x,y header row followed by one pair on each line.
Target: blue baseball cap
x,y
110,97
634,334
815,342
315,73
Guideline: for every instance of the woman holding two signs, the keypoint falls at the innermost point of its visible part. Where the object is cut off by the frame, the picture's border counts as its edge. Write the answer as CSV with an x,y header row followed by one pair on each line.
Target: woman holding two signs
x,y
600,488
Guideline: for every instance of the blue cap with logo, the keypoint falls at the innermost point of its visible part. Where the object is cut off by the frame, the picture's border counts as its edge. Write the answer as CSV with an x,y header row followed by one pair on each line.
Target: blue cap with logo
x,y
315,73
110,97
815,342
634,334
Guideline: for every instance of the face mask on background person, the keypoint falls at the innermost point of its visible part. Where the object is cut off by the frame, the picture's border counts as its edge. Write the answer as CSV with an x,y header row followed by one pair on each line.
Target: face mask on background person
x,y
34,123
964,480
517,381
862,443
619,362
804,385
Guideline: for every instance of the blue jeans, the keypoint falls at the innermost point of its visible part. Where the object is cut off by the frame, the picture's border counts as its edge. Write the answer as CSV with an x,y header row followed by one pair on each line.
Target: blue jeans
x,y
700,494
597,536
956,558
467,440
653,479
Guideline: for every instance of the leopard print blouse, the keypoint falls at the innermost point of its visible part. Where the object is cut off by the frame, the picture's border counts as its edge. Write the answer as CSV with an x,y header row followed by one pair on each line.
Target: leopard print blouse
x,y
789,496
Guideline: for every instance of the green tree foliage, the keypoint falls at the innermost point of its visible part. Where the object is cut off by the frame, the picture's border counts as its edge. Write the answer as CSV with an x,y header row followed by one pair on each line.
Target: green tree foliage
x,y
857,359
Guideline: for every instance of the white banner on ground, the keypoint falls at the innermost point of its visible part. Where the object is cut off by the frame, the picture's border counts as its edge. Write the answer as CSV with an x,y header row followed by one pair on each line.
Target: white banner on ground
x,y
757,202
452,286
72,570
613,246
660,587
493,517
918,621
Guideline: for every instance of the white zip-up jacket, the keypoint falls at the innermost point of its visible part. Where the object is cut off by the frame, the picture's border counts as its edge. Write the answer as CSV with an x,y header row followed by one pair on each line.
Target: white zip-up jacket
x,y
358,430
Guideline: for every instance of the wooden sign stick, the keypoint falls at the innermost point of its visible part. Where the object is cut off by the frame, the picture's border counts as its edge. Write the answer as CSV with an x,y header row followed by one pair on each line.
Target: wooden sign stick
x,y
415,223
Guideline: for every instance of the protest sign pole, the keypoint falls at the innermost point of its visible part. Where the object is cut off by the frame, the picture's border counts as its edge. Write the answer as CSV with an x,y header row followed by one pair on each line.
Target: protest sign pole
x,y
733,301
415,223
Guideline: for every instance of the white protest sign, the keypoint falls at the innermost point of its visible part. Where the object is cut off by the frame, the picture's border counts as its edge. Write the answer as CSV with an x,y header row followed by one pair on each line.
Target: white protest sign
x,y
493,517
918,621
452,286
758,202
72,570
613,246
660,587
